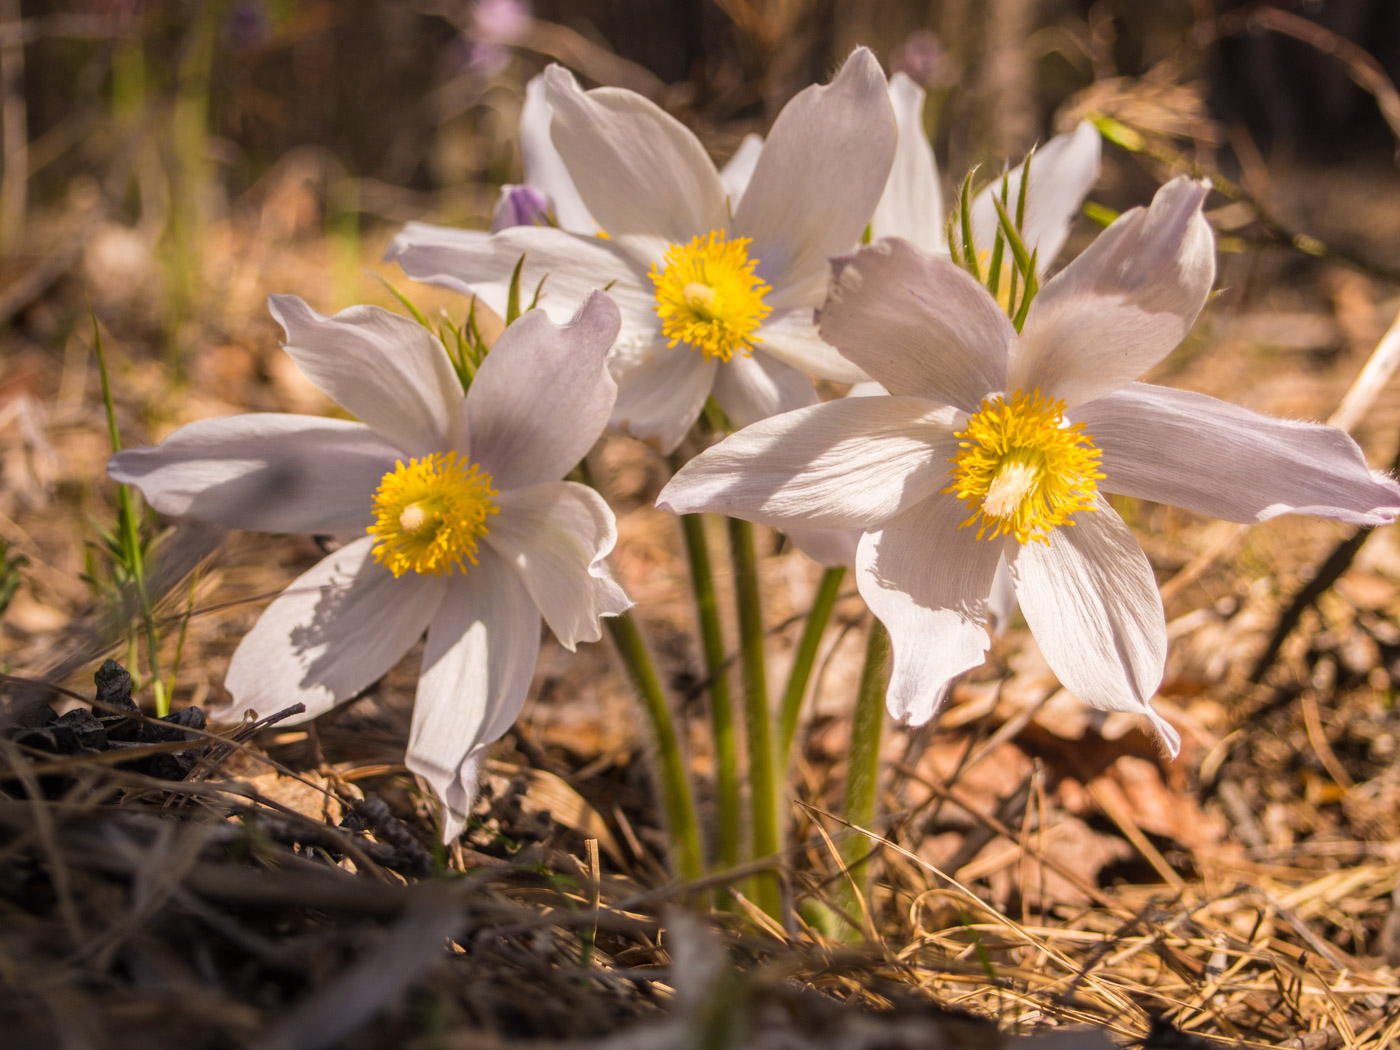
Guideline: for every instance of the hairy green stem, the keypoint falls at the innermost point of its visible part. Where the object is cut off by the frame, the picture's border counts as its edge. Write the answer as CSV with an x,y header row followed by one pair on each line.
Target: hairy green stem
x,y
863,768
806,657
764,790
676,796
727,817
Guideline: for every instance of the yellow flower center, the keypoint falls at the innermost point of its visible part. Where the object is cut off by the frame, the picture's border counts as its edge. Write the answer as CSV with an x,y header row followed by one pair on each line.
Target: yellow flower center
x,y
429,514
708,296
1022,470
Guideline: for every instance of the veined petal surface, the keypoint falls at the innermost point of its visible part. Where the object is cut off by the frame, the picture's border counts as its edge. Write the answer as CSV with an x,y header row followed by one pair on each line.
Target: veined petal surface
x,y
912,204
823,167
1216,458
846,464
917,324
792,337
263,472
543,395
927,580
752,388
1122,305
1091,601
389,372
555,536
637,168
661,392
477,668
339,627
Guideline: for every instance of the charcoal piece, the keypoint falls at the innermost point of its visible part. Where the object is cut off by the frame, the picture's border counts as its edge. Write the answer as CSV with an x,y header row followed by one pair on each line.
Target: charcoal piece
x,y
114,687
88,728
173,726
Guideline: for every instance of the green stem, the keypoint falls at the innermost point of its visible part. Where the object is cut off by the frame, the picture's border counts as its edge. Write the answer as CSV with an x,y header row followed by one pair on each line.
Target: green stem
x,y
763,782
863,768
727,833
676,797
817,619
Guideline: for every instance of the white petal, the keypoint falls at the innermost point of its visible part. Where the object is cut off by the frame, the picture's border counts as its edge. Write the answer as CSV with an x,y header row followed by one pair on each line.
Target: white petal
x,y
543,395
477,667
847,464
927,580
917,324
570,265
336,630
738,169
637,168
1062,174
829,547
430,233
754,388
1193,451
556,535
660,394
385,370
1091,601
1001,603
544,168
819,177
912,204
1122,305
263,472
792,336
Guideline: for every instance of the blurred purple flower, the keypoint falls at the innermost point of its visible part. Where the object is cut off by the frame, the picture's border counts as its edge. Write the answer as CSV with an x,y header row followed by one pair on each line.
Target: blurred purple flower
x,y
921,58
521,205
248,26
496,25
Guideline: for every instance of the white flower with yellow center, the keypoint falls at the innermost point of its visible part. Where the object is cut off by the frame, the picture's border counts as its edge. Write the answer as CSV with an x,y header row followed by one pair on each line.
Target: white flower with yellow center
x,y
717,277
995,445
463,526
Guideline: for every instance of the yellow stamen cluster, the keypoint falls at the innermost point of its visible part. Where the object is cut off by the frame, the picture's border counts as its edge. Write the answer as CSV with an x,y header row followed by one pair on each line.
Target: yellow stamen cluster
x,y
429,514
708,296
1022,470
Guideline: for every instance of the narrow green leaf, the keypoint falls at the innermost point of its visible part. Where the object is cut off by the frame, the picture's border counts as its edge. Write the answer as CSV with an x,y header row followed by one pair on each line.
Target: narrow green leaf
x,y
965,218
407,304
513,294
1032,286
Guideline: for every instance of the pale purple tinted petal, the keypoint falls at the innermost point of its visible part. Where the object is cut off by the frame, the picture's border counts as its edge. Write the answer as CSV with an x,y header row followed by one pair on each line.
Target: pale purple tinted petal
x,y
544,168
571,266
829,547
846,464
637,168
555,536
738,169
477,667
912,204
754,388
1122,305
337,629
660,394
1193,451
1091,601
917,324
821,173
385,370
520,206
1063,172
927,580
263,472
543,395
791,336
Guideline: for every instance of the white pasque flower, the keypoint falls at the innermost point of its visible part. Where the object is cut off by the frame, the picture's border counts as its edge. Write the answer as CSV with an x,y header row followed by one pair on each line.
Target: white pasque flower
x,y
993,444
464,528
1061,174
714,299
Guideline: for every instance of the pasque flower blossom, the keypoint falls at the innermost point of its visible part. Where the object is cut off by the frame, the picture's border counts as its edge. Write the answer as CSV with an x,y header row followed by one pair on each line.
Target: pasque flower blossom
x,y
716,293
463,527
993,444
